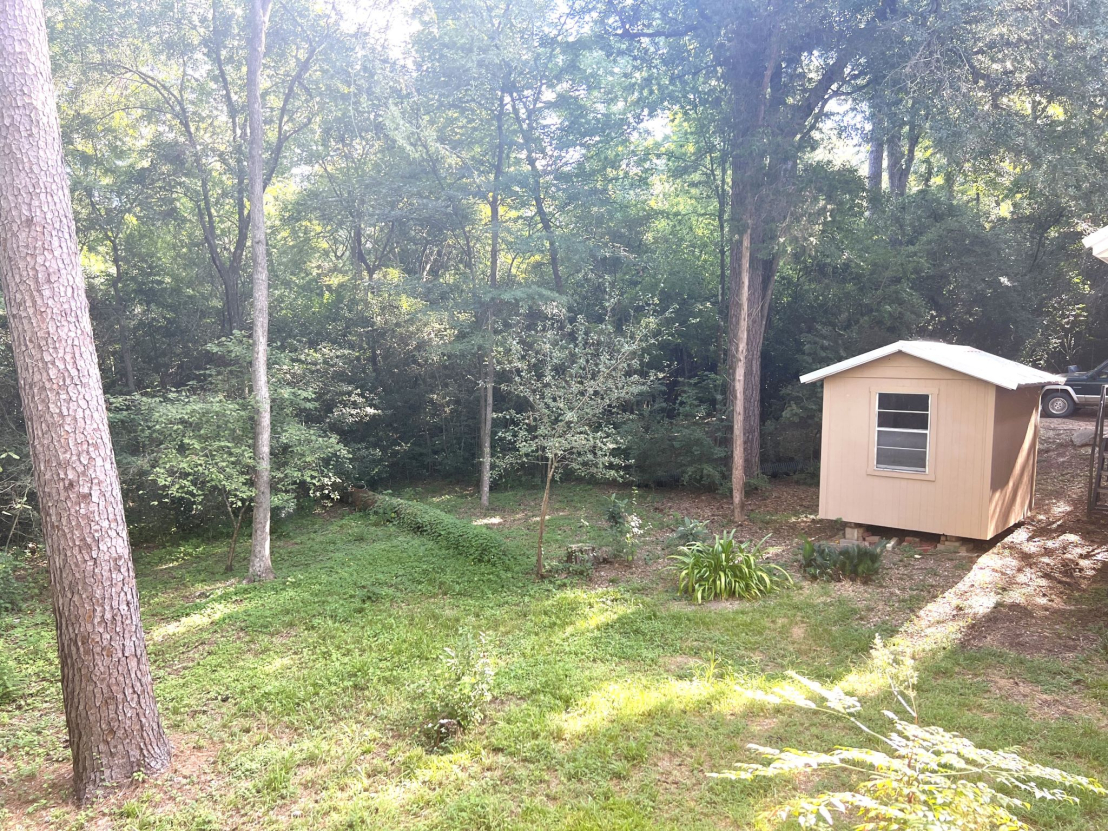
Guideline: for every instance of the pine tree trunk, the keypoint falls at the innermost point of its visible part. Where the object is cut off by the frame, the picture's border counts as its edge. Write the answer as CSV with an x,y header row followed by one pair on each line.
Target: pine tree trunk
x,y
261,568
107,690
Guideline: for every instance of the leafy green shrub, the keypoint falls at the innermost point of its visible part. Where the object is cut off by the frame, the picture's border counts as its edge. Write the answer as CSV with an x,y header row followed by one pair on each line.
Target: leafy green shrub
x,y
10,592
186,457
471,541
689,530
827,561
921,777
463,690
723,569
756,484
615,511
9,682
624,520
685,445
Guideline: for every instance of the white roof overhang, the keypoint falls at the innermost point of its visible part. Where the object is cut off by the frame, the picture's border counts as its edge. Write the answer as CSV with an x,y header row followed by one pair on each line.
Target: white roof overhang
x,y
1098,243
1010,375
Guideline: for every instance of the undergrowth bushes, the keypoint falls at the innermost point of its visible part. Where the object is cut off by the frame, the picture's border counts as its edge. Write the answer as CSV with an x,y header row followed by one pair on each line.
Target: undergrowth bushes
x,y
9,588
10,687
462,691
827,561
471,541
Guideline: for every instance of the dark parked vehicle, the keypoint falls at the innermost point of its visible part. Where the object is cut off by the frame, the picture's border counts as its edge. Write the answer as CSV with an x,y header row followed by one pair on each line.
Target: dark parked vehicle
x,y
1082,389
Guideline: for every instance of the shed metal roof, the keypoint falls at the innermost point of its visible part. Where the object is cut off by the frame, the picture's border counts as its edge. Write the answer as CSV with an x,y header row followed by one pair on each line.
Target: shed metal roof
x,y
1098,242
965,359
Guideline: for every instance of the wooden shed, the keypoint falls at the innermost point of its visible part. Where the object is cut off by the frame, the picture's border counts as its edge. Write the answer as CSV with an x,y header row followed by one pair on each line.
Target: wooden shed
x,y
929,437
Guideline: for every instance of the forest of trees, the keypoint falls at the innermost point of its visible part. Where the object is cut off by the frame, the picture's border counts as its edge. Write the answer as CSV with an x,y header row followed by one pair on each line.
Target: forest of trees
x,y
777,185
334,244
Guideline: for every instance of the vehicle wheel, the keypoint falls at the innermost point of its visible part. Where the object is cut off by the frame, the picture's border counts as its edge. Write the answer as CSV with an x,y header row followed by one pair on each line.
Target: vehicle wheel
x,y
1058,405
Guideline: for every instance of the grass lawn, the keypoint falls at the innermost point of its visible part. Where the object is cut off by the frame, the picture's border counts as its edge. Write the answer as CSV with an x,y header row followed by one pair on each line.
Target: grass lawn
x,y
299,704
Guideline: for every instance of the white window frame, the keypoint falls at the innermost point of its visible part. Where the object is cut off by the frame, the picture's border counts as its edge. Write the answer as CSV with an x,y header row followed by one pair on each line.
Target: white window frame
x,y
908,471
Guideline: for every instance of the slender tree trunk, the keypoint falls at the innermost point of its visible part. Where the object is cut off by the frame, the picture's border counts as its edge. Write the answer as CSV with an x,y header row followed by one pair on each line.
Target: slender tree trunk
x,y
234,539
108,694
752,398
876,163
261,568
542,515
740,329
724,275
895,161
494,270
536,193
121,319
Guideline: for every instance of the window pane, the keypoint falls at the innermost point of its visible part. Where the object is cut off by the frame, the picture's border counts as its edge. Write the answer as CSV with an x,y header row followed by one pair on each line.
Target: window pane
x,y
895,438
917,402
904,421
902,459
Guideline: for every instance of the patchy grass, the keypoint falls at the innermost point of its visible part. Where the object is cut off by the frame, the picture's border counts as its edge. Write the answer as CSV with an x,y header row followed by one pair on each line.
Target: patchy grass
x,y
299,704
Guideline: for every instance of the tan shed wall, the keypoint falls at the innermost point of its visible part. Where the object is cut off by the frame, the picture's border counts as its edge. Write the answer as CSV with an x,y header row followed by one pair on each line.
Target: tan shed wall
x,y
954,497
1015,443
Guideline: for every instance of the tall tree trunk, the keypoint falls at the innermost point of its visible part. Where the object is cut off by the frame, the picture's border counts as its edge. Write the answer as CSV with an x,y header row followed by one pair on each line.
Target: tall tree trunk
x,y
752,396
121,318
539,572
261,567
724,275
739,320
895,162
494,268
536,192
107,690
748,169
876,162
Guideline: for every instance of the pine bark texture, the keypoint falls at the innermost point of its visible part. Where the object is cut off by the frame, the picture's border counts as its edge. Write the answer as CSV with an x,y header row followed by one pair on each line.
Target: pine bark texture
x,y
108,694
261,567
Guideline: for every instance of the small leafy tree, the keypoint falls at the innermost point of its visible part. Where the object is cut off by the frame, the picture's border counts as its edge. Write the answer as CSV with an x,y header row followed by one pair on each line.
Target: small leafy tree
x,y
576,379
196,445
921,777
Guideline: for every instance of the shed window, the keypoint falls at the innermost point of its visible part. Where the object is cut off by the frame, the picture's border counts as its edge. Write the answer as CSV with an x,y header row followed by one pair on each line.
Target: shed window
x,y
903,431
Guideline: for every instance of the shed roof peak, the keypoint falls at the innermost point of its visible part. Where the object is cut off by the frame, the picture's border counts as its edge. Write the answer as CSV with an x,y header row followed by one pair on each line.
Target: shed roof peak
x,y
967,360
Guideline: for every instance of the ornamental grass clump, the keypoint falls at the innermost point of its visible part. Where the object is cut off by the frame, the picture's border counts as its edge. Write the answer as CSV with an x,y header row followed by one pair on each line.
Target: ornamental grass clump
x,y
915,776
723,569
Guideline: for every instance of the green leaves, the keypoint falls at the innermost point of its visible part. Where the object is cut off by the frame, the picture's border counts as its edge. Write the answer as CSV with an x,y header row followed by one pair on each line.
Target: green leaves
x,y
576,380
827,561
471,541
724,569
922,777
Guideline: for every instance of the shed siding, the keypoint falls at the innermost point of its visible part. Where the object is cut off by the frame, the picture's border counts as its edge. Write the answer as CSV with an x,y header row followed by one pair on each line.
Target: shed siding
x,y
1014,446
955,497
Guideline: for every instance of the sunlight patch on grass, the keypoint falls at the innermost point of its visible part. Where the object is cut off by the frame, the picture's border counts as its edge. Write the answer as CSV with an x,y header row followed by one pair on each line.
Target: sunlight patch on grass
x,y
489,520
190,623
597,618
637,699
